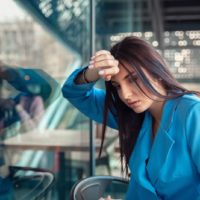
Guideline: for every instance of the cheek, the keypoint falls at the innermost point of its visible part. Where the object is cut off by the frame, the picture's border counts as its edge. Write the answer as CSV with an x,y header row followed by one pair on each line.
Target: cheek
x,y
120,95
145,93
148,102
140,89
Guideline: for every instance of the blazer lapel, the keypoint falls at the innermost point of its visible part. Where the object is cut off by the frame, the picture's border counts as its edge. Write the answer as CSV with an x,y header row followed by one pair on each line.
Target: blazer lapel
x,y
163,141
146,175
159,152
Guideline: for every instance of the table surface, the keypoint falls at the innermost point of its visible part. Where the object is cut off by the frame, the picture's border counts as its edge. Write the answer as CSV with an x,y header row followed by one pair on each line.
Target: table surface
x,y
63,140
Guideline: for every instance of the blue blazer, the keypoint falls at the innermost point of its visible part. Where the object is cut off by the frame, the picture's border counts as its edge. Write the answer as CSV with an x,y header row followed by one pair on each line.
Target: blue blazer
x,y
166,168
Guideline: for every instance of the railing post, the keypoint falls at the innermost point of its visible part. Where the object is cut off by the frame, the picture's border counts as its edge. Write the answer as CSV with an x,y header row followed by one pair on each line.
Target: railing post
x,y
92,50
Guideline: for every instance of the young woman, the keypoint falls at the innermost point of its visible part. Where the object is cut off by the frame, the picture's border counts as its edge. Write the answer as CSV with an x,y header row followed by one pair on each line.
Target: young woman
x,y
157,118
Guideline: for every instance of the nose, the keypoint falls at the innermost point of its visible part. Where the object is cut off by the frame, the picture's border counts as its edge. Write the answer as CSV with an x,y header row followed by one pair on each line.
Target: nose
x,y
126,92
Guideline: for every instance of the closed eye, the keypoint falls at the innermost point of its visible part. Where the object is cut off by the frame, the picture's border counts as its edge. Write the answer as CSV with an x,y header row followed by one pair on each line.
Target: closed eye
x,y
132,78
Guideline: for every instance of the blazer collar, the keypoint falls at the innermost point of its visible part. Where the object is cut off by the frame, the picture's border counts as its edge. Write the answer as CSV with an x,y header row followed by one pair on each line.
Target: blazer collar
x,y
163,141
156,153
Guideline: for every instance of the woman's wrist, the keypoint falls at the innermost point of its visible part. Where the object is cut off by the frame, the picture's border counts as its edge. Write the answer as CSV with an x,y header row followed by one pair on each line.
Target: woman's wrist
x,y
87,76
84,76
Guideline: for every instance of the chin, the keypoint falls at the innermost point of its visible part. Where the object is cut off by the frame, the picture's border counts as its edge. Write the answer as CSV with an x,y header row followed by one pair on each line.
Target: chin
x,y
139,110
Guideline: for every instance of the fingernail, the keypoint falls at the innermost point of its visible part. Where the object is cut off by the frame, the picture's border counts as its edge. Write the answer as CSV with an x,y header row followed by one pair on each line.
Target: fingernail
x,y
101,72
91,62
91,66
108,78
92,57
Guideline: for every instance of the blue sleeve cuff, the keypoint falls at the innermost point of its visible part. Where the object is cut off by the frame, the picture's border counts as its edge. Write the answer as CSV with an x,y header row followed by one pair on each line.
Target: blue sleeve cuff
x,y
70,83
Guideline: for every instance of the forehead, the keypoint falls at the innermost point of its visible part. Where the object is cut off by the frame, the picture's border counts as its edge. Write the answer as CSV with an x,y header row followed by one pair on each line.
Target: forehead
x,y
124,70
126,66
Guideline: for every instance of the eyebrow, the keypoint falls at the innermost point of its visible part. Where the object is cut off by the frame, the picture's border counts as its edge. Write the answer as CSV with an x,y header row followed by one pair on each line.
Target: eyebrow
x,y
127,76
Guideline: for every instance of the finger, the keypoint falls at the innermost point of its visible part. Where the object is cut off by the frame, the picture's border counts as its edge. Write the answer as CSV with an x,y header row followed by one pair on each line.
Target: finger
x,y
104,64
108,78
109,71
101,52
103,57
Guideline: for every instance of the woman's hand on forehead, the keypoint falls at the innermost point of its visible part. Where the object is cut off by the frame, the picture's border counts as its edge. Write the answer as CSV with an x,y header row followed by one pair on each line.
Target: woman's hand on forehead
x,y
105,63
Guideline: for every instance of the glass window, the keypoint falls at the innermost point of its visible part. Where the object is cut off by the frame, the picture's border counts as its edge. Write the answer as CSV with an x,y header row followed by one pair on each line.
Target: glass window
x,y
41,43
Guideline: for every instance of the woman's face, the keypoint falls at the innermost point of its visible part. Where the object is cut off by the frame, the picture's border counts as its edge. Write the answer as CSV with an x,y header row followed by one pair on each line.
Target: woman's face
x,y
130,93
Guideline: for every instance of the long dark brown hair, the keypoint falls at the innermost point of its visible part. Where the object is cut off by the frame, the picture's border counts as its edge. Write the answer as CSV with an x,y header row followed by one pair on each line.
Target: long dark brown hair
x,y
136,53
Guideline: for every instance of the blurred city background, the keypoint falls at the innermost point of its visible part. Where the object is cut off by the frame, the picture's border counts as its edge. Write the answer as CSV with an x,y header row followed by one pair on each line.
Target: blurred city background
x,y
43,41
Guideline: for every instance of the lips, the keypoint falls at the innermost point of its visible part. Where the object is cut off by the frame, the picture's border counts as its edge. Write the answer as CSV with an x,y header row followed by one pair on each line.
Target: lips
x,y
134,103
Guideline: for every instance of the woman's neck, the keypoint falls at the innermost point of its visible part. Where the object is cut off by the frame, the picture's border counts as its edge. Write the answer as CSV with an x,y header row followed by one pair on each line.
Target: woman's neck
x,y
156,110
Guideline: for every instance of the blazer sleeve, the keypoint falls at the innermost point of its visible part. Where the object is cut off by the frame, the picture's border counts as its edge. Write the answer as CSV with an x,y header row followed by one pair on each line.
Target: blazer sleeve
x,y
87,99
193,133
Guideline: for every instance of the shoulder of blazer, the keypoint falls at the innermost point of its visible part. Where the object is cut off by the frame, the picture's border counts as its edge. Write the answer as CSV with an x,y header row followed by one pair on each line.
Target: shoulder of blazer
x,y
188,100
185,104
